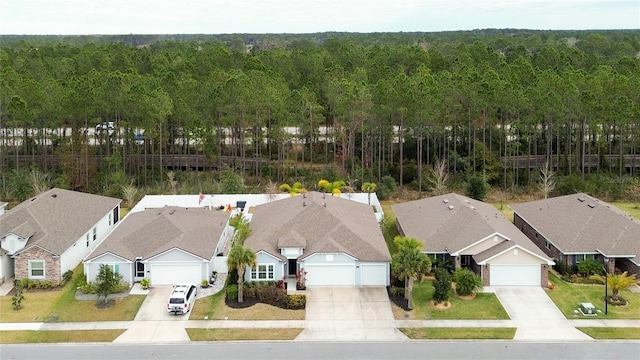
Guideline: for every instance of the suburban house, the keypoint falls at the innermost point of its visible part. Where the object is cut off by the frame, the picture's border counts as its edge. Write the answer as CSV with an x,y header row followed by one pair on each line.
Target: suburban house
x,y
52,232
577,227
167,245
334,241
474,235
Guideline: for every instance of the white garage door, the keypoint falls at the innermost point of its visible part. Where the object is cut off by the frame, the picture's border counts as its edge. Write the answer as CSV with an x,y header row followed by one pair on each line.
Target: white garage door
x,y
514,275
374,274
165,274
330,275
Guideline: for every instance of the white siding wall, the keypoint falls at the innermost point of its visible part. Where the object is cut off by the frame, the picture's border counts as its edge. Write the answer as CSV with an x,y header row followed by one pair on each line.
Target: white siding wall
x,y
125,268
75,253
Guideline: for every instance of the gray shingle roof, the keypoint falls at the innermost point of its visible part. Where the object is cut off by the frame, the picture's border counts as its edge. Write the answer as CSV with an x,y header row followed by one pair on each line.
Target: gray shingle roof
x,y
153,231
57,218
319,224
450,223
579,223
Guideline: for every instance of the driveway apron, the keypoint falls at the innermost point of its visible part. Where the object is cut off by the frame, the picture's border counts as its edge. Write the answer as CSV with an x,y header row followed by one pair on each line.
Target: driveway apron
x,y
154,324
349,314
536,316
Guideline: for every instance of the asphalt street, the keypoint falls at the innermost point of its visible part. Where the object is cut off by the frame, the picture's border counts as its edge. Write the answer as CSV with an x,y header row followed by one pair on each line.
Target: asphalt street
x,y
477,350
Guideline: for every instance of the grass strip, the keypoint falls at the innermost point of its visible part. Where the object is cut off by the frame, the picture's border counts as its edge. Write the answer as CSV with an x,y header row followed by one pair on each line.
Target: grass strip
x,y
459,333
619,333
58,336
242,334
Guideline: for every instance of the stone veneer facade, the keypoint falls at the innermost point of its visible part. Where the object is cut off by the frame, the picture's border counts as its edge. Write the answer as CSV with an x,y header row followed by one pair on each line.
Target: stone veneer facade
x,y
51,264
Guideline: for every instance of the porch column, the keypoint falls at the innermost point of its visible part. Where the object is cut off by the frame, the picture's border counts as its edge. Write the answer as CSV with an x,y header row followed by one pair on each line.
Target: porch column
x,y
610,265
457,262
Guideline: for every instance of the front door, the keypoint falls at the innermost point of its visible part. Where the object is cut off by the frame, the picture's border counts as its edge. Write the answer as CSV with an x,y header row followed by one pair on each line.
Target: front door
x,y
292,266
139,265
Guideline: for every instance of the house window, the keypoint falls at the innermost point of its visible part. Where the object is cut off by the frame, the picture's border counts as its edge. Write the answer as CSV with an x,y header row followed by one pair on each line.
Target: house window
x,y
115,268
262,272
536,234
547,245
87,239
582,257
36,269
95,233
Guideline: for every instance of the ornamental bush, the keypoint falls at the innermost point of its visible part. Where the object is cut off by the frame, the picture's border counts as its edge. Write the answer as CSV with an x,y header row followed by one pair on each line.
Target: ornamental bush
x,y
296,302
232,292
467,282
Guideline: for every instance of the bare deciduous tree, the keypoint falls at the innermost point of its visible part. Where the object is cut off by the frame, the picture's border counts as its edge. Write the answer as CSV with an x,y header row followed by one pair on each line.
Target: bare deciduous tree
x,y
547,180
40,182
439,177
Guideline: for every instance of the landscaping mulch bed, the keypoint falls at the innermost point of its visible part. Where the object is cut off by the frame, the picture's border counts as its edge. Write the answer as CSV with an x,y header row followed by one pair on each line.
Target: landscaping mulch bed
x,y
399,301
248,302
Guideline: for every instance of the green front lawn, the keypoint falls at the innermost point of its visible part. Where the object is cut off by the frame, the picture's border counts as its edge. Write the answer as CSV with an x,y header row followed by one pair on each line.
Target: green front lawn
x,y
59,336
485,306
62,306
242,334
568,296
460,333
214,308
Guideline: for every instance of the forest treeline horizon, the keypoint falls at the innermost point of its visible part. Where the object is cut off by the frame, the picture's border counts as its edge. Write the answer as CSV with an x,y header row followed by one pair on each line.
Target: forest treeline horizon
x,y
362,107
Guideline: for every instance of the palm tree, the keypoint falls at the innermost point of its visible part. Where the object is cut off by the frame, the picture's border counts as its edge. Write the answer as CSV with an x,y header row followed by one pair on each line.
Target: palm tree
x,y
369,187
618,282
409,263
239,258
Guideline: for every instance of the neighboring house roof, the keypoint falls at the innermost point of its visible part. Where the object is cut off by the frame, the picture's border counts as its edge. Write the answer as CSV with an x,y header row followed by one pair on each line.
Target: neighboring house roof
x,y
319,224
153,231
451,223
579,223
56,219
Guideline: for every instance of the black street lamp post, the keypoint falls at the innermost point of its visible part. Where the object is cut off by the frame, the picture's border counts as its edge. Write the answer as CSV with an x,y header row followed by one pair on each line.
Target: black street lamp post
x,y
606,288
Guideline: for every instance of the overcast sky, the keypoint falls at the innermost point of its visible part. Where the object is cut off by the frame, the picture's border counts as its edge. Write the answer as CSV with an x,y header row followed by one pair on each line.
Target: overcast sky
x,y
306,16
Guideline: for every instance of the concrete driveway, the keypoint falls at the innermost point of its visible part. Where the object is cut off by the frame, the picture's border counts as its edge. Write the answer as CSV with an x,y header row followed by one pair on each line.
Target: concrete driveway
x,y
535,315
153,323
349,314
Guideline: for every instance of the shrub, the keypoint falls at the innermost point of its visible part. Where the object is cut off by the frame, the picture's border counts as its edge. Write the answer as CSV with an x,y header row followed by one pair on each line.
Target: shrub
x,y
16,300
34,284
441,291
296,302
590,267
439,263
561,267
387,186
271,294
249,292
476,188
67,276
442,286
232,292
396,291
467,282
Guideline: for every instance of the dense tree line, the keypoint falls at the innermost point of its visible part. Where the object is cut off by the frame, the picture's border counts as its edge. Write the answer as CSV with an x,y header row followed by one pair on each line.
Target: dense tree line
x,y
348,105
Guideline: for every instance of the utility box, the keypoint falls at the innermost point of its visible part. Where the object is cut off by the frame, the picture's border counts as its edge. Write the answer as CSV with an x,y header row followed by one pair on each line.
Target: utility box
x,y
588,309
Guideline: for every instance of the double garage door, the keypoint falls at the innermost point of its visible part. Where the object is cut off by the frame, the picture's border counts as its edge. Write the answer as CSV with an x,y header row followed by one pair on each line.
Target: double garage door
x,y
345,275
176,273
514,275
